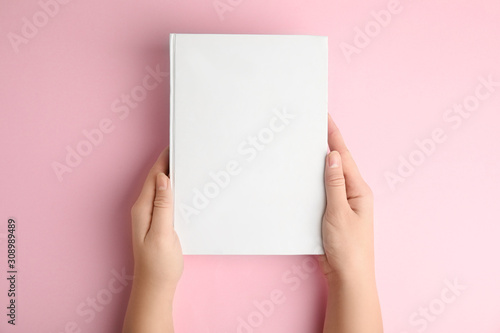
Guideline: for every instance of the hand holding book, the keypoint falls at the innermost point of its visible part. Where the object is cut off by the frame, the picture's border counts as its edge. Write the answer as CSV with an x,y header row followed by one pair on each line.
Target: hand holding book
x,y
347,231
348,262
158,261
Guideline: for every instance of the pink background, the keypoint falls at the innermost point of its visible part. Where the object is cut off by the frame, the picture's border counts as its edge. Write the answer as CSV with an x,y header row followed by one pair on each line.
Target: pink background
x,y
440,224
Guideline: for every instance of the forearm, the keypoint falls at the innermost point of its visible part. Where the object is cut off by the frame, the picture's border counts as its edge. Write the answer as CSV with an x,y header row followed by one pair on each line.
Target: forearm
x,y
149,310
353,305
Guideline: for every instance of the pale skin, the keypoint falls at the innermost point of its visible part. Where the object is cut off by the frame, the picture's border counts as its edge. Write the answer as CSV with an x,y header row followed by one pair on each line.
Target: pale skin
x,y
348,264
157,255
347,228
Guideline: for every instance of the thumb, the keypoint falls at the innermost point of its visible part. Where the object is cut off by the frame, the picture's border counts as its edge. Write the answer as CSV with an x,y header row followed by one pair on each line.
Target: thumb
x,y
336,195
162,220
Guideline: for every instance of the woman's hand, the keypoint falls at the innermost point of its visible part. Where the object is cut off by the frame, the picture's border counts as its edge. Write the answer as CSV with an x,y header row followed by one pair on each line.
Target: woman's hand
x,y
347,229
157,250
157,255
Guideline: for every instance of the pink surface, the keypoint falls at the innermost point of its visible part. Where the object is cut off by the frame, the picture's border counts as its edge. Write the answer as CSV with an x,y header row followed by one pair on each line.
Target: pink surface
x,y
438,222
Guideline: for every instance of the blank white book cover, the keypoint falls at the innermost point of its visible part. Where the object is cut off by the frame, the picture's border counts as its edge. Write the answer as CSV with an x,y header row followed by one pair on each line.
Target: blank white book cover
x,y
248,141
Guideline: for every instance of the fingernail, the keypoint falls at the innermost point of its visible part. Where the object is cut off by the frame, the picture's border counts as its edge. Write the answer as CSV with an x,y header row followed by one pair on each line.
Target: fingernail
x,y
333,159
161,182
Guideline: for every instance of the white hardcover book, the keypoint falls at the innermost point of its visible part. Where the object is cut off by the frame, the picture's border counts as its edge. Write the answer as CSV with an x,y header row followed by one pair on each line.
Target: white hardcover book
x,y
248,141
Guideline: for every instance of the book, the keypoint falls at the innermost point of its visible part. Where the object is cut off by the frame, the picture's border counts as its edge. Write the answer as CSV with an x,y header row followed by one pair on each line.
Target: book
x,y
248,142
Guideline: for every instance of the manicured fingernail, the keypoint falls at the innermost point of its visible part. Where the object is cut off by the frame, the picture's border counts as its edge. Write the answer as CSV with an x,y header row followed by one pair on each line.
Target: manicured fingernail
x,y
333,160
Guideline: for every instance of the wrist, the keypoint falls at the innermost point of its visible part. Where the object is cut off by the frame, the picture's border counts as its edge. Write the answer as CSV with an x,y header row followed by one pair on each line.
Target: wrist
x,y
153,288
351,277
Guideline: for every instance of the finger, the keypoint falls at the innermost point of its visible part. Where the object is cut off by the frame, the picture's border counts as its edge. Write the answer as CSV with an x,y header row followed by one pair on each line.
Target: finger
x,y
148,190
336,197
162,220
142,209
356,187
